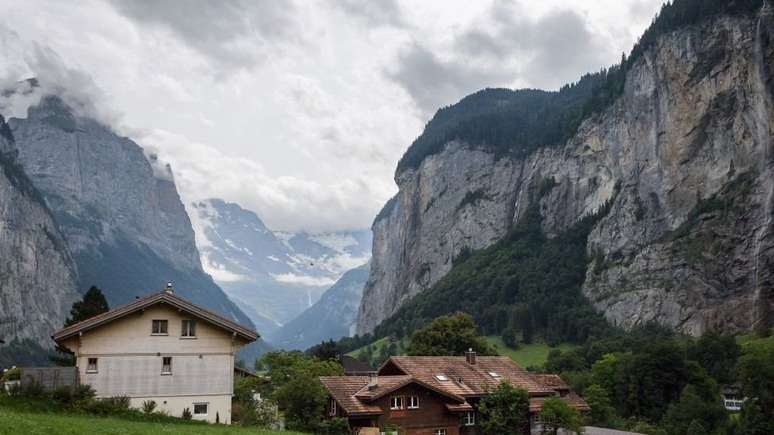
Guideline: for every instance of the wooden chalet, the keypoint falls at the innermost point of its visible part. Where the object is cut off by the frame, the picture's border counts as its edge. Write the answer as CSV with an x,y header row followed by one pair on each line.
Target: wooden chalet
x,y
425,395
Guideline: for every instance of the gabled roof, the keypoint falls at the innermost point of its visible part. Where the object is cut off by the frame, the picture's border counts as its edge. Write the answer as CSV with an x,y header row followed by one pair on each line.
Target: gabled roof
x,y
164,297
464,379
388,384
343,389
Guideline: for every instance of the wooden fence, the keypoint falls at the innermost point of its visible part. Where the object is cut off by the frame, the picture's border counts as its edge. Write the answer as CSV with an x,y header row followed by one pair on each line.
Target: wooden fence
x,y
50,378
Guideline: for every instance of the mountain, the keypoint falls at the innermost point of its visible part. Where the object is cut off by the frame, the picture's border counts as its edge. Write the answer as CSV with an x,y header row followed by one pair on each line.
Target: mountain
x,y
274,275
644,191
32,304
118,209
331,317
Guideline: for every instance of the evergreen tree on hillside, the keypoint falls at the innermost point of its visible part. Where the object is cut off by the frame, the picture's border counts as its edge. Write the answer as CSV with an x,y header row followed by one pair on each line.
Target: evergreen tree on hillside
x,y
92,304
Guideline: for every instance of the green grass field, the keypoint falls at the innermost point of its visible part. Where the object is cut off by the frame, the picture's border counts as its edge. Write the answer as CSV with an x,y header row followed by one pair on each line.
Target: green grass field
x,y
13,422
526,355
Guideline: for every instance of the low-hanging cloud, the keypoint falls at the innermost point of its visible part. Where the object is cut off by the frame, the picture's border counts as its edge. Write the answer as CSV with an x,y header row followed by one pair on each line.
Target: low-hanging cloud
x,y
375,13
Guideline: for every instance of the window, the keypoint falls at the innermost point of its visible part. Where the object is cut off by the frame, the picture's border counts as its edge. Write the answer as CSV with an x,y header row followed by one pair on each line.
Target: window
x,y
396,402
200,408
469,419
413,402
189,328
92,366
333,408
441,377
494,375
166,365
440,432
159,327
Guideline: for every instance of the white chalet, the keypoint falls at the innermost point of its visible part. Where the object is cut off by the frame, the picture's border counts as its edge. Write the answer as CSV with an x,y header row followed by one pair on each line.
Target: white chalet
x,y
162,348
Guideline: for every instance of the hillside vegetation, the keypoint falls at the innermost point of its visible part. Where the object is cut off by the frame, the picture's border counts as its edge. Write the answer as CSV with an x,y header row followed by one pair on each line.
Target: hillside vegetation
x,y
517,122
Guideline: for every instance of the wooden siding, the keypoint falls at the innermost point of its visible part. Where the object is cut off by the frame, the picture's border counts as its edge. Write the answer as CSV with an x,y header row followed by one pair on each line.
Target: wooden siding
x,y
431,415
140,376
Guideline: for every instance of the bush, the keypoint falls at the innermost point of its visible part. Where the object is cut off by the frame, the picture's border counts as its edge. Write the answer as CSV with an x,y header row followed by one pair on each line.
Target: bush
x,y
149,406
63,395
83,392
109,406
186,414
34,390
12,374
334,426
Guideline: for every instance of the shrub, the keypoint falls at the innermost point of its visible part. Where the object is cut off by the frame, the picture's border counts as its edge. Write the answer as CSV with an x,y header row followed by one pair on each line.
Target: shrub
x,y
34,390
334,426
149,406
186,414
63,395
83,392
12,374
109,406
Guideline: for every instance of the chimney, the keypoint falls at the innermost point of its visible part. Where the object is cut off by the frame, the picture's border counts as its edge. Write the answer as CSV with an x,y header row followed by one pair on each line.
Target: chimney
x,y
168,289
373,380
470,356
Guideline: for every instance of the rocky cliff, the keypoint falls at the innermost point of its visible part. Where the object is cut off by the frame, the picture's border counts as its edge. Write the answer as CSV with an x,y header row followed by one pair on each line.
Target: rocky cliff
x,y
32,304
684,154
120,213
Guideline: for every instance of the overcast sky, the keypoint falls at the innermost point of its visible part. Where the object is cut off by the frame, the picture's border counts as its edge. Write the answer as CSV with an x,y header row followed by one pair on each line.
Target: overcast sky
x,y
300,110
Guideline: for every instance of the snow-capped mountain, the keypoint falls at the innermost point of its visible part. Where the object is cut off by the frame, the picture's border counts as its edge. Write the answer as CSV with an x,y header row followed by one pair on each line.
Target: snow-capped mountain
x,y
272,275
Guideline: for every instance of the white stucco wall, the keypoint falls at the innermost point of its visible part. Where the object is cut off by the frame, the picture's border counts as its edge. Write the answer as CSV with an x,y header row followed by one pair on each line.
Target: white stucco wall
x,y
129,362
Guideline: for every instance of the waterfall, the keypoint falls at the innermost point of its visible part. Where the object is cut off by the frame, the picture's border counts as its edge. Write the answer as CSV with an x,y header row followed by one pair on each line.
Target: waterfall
x,y
762,102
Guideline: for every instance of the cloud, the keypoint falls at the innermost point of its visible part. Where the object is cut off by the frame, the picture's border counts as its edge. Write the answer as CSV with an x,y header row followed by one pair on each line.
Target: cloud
x,y
504,47
375,13
292,278
284,202
28,60
236,32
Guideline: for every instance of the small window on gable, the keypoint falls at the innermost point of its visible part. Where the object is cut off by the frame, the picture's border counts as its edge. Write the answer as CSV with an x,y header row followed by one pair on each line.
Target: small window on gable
x,y
413,402
441,377
440,432
494,375
166,365
200,408
188,328
333,409
160,327
396,402
92,366
469,419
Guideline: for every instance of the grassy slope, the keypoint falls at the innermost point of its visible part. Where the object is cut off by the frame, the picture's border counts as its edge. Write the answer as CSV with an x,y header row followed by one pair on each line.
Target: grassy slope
x,y
16,422
527,355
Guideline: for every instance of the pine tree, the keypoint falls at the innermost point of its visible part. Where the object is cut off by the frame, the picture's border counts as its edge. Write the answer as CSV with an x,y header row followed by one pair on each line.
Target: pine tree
x,y
92,304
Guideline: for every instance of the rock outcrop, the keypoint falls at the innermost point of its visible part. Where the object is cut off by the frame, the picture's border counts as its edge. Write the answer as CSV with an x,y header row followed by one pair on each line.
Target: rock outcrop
x,y
120,213
37,273
685,154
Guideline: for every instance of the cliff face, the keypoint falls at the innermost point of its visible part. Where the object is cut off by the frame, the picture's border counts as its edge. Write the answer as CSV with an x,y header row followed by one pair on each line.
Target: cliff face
x,y
121,215
688,149
32,304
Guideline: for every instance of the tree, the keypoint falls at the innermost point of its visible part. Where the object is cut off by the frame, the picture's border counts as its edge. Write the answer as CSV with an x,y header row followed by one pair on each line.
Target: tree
x,y
693,407
325,351
297,389
557,414
696,428
509,338
92,304
717,354
451,334
752,420
599,401
504,410
756,373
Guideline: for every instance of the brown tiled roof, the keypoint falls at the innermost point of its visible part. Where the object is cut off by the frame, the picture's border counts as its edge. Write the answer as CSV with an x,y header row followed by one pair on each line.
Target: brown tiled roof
x,y
551,381
343,390
152,299
572,399
387,384
467,379
459,407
